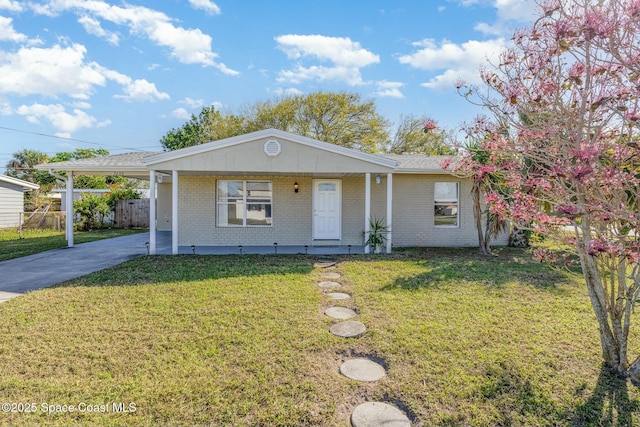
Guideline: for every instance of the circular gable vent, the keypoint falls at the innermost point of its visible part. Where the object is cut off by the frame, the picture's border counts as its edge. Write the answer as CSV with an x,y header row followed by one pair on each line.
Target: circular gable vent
x,y
272,147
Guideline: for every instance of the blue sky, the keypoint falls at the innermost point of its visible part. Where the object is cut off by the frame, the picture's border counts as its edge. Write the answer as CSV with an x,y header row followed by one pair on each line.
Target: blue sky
x,y
120,75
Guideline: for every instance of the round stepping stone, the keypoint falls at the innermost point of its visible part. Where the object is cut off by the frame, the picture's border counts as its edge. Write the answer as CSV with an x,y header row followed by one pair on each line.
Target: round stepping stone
x,y
362,370
340,313
325,263
338,295
329,285
373,414
348,329
330,275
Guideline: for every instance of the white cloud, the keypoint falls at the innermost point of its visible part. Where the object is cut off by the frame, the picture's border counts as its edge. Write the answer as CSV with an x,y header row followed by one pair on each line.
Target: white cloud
x,y
141,90
189,46
82,105
206,5
7,32
66,123
92,26
11,5
5,109
290,91
459,61
346,57
508,13
181,113
47,71
516,10
192,103
389,89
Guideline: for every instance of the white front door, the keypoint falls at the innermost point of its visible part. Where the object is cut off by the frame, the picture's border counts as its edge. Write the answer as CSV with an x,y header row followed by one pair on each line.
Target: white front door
x,y
327,206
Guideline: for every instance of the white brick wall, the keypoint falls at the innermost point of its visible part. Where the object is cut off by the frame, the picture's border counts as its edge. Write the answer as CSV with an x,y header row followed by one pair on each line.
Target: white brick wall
x,y
292,212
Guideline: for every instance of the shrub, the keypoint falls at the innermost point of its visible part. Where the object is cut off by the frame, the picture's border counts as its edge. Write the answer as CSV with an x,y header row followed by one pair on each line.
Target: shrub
x,y
92,210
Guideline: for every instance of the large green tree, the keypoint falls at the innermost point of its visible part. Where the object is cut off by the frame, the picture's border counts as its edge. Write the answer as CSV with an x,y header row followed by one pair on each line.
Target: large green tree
x,y
411,137
209,125
338,118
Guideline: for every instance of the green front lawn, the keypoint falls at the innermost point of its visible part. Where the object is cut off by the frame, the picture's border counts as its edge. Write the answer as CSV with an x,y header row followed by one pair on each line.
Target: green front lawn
x,y
242,340
29,242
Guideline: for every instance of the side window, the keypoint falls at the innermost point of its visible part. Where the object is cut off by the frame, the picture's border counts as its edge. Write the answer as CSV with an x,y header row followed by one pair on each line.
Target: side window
x,y
445,197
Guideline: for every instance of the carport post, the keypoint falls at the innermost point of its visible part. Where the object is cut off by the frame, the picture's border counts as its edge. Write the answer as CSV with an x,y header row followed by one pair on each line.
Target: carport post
x,y
69,209
389,210
152,212
367,209
174,212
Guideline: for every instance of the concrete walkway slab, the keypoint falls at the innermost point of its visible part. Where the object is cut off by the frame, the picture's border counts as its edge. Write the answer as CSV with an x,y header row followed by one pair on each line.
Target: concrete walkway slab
x,y
340,313
331,275
362,369
338,295
348,329
329,285
378,414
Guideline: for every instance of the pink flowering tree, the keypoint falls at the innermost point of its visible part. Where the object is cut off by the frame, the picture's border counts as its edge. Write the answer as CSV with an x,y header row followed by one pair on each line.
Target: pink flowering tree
x,y
477,165
563,134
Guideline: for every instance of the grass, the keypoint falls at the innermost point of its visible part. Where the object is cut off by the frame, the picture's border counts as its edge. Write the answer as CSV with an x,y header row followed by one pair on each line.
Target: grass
x,y
241,340
29,242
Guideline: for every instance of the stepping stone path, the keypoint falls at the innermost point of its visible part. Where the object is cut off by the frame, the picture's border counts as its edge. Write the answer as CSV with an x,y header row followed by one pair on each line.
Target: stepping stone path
x,y
329,285
362,369
371,414
368,414
340,313
348,329
338,295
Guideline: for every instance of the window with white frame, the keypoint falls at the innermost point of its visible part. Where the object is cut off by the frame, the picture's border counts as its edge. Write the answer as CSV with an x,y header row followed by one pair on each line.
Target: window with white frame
x,y
445,198
244,203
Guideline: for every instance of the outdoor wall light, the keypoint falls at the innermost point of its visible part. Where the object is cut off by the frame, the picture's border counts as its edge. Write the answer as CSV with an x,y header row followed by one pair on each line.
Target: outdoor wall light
x,y
378,179
295,187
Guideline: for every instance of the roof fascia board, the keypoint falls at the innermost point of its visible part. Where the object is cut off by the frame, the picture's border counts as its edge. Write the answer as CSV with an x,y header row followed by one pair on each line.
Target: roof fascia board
x,y
19,182
274,133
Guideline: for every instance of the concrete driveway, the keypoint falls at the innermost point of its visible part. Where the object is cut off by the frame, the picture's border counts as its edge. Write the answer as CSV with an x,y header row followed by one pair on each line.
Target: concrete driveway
x,y
21,275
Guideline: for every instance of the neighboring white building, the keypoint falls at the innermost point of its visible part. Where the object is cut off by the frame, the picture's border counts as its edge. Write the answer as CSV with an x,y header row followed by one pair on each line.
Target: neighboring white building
x,y
12,200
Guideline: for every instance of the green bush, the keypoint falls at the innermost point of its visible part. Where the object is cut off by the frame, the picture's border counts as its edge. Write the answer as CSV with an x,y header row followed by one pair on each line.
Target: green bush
x,y
121,194
92,210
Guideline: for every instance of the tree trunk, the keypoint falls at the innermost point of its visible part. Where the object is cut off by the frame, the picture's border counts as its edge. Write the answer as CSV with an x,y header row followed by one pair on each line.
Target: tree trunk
x,y
610,346
484,242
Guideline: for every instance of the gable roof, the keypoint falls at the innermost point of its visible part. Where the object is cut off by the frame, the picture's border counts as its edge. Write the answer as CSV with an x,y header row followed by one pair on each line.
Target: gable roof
x,y
19,183
138,164
268,133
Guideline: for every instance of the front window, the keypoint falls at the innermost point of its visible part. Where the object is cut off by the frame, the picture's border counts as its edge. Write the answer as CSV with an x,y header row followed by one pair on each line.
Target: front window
x,y
244,203
445,196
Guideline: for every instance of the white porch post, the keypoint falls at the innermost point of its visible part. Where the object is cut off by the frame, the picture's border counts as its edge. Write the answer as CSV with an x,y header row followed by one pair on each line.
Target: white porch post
x,y
152,212
367,209
69,209
174,212
389,209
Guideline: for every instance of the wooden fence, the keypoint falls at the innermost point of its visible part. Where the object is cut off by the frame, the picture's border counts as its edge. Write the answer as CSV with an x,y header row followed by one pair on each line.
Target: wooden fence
x,y
131,213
